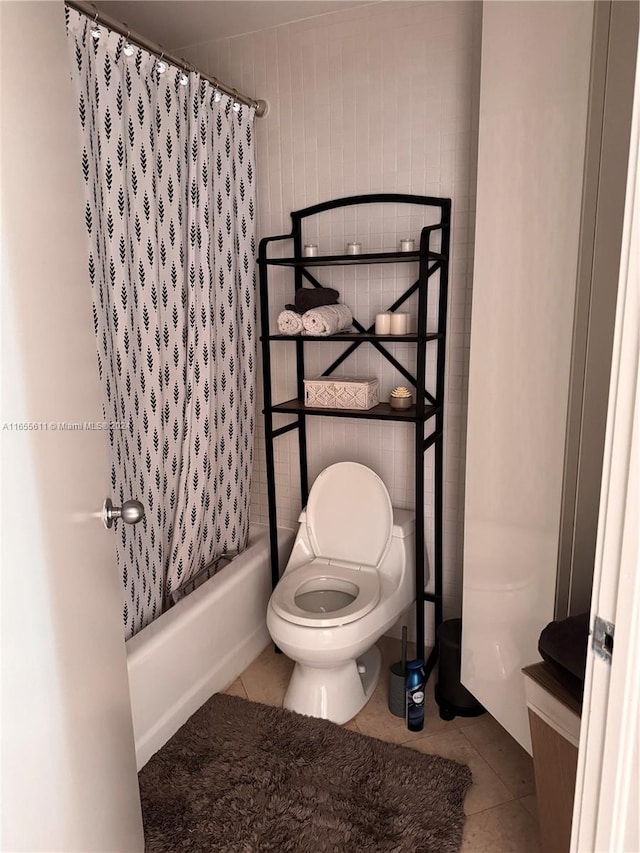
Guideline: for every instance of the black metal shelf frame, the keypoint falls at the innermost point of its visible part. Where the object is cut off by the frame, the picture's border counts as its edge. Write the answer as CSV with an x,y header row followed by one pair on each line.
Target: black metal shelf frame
x,y
428,404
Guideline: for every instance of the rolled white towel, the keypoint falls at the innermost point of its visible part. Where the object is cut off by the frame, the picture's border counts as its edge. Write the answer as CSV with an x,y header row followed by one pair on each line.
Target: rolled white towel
x,y
290,323
327,320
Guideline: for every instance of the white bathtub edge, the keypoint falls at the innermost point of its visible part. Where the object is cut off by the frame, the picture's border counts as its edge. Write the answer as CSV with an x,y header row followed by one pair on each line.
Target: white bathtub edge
x,y
218,678
172,668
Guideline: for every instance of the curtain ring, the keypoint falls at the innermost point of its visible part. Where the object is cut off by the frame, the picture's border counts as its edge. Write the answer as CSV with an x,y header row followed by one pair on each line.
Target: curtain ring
x,y
95,28
162,65
128,47
184,79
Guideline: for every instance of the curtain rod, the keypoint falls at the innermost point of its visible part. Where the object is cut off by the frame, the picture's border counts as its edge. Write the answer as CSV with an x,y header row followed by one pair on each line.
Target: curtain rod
x,y
88,9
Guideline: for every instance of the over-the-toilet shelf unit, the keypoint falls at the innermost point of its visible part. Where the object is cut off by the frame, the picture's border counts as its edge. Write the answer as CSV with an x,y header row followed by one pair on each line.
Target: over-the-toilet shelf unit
x,y
428,409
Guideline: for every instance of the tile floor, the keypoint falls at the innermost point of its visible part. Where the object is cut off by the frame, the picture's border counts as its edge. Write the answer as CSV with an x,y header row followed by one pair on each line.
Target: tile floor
x,y
501,803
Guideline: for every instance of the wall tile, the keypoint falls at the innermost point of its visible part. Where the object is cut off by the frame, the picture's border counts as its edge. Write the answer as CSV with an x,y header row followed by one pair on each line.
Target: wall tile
x,y
380,98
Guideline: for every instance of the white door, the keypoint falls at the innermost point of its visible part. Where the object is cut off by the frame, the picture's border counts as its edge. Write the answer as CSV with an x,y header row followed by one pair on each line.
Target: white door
x,y
68,762
608,782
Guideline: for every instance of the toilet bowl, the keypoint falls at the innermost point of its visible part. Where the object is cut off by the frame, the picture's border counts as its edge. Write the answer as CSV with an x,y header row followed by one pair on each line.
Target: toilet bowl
x,y
349,578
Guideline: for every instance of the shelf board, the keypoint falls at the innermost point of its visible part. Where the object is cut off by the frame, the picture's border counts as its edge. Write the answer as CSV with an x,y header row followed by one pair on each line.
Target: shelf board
x,y
381,412
345,260
357,336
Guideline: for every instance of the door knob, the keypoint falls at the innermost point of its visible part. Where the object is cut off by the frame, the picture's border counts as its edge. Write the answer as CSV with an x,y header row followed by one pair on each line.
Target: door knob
x,y
131,512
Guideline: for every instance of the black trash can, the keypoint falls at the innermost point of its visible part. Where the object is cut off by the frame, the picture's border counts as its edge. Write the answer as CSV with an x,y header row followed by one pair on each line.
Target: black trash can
x,y
454,700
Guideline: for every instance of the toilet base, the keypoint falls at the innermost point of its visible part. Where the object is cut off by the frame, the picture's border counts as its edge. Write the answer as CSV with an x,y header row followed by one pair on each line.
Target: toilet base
x,y
337,693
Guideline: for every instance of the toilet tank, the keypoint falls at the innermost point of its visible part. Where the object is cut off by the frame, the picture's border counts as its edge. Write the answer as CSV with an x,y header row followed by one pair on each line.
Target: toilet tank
x,y
399,563
404,523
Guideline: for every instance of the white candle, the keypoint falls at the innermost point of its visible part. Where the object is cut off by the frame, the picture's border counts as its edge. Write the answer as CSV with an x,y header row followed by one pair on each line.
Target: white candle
x,y
383,324
407,245
354,248
310,250
399,323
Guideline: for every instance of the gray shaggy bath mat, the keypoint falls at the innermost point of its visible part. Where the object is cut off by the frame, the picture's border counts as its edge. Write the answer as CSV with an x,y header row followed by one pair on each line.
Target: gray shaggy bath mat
x,y
240,777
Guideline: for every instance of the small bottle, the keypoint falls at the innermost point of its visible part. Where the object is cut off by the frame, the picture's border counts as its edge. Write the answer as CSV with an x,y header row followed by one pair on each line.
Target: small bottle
x,y
414,689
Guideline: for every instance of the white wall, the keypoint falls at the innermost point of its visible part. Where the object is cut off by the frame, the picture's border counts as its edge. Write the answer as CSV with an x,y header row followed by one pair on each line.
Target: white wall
x,y
533,111
68,762
381,98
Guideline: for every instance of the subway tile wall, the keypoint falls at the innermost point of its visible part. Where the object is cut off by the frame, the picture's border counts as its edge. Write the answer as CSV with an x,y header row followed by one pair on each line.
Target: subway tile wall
x,y
380,98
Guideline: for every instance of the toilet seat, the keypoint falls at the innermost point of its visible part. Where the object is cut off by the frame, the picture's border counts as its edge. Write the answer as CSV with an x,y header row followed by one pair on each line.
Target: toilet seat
x,y
320,574
349,516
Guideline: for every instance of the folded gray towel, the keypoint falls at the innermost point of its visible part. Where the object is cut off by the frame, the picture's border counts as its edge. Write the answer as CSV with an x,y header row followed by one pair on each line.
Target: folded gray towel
x,y
313,297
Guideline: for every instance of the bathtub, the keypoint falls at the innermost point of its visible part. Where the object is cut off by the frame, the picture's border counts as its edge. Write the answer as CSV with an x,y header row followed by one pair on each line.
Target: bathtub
x,y
202,644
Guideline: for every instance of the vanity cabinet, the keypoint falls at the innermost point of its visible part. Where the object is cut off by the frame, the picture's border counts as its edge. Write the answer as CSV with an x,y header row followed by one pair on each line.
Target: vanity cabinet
x,y
431,260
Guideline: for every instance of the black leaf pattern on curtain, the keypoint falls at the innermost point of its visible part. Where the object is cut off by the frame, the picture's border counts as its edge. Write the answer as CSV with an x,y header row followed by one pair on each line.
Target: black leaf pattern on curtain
x,y
174,307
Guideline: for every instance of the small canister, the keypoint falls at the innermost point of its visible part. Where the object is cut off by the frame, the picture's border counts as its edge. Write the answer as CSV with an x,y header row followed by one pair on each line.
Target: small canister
x,y
354,248
397,699
414,689
310,250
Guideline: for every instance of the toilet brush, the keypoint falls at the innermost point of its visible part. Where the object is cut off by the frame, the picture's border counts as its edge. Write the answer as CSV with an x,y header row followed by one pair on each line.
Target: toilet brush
x,y
397,672
404,650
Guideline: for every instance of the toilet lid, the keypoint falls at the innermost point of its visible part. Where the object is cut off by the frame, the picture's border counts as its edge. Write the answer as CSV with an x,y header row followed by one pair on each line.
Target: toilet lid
x,y
349,515
301,595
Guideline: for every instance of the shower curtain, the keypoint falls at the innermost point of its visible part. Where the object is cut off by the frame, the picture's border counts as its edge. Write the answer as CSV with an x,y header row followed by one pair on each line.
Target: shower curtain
x,y
168,166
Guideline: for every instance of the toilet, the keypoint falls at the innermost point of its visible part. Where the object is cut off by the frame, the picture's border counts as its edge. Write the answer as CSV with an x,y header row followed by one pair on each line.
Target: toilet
x,y
349,578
